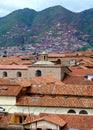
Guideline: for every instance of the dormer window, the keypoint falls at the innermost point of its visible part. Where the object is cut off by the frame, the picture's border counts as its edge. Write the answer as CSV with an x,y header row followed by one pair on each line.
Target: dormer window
x,y
35,99
3,88
89,76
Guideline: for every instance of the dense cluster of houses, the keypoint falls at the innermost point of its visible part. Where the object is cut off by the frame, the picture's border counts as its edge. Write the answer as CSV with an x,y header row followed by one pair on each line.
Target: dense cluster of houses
x,y
47,92
59,39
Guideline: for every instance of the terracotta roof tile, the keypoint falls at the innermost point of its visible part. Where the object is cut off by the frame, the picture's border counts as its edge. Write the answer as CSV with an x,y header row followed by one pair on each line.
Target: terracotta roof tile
x,y
78,80
74,90
7,82
76,54
81,122
4,122
10,90
45,80
58,101
55,119
76,71
16,60
23,82
14,82
13,67
30,118
47,92
48,86
12,87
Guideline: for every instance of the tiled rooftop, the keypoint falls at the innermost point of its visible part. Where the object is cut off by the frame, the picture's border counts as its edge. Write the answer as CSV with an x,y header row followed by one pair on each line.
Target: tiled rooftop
x,y
55,119
58,101
81,122
76,71
12,87
16,60
14,82
10,90
76,91
21,67
78,80
46,91
76,54
48,85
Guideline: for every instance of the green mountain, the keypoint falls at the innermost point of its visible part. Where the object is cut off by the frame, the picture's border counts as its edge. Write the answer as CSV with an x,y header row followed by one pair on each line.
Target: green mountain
x,y
51,16
84,22
14,27
27,26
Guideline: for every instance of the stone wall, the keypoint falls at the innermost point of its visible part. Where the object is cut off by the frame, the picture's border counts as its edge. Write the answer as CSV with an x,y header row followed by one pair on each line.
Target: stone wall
x,y
56,72
13,73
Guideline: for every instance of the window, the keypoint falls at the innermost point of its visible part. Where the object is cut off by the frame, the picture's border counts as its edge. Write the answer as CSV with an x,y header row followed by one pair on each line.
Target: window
x,y
4,74
58,61
44,57
71,111
35,99
73,129
65,96
83,112
19,74
2,109
38,73
20,119
89,76
53,96
12,80
3,88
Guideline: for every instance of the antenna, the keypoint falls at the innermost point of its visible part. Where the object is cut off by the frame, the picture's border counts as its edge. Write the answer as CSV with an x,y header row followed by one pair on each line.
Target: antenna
x,y
53,90
41,93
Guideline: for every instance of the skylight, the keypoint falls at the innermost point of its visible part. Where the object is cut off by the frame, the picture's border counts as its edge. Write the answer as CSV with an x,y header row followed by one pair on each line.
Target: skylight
x,y
3,88
89,76
35,99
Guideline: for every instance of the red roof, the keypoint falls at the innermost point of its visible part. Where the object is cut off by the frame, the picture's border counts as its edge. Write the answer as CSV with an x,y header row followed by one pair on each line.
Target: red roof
x,y
55,119
77,80
81,122
76,71
58,101
53,93
12,87
20,67
10,90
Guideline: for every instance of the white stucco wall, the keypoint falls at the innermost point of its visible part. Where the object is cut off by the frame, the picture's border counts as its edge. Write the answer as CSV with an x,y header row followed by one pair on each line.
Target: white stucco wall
x,y
37,110
7,100
44,124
